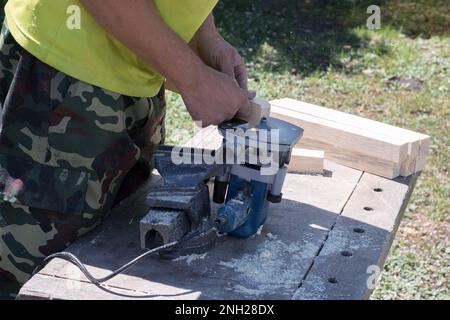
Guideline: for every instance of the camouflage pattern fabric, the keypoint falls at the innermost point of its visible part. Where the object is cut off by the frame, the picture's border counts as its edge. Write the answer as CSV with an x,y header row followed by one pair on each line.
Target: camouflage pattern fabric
x,y
65,149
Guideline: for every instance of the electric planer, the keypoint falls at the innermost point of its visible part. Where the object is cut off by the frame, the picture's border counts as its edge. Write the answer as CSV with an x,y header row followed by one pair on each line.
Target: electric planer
x,y
247,174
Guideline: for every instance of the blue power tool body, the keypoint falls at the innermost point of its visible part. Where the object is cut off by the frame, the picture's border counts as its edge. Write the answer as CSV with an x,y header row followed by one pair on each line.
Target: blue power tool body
x,y
250,186
244,212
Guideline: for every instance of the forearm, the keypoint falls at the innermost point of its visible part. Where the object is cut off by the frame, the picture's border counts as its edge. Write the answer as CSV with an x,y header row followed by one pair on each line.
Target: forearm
x,y
207,31
138,25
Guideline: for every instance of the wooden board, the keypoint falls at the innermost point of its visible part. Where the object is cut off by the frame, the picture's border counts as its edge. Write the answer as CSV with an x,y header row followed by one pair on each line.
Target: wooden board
x,y
418,143
348,265
350,139
259,109
271,265
306,161
387,169
206,138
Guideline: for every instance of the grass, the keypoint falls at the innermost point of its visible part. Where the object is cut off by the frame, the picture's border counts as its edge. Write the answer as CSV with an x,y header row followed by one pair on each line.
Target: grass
x,y
321,52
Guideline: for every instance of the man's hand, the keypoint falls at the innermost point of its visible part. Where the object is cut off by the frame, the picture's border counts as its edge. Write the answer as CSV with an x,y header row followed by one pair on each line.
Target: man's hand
x,y
217,53
215,98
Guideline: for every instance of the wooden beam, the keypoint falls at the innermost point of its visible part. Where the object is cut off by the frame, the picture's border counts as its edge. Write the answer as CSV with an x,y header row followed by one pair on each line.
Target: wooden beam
x,y
355,160
346,138
260,108
306,161
207,138
210,138
418,143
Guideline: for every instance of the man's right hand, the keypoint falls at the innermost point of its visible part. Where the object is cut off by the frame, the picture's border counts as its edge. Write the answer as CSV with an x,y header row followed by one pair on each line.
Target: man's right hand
x,y
214,97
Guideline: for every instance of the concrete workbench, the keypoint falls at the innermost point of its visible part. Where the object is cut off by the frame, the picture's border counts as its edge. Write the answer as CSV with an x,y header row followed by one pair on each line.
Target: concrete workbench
x,y
326,240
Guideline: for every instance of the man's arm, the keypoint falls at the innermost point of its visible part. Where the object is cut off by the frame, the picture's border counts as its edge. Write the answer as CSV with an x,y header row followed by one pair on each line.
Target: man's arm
x,y
210,96
216,52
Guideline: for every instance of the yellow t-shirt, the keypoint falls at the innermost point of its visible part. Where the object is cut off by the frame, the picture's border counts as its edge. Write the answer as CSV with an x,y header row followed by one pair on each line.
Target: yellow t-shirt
x,y
45,28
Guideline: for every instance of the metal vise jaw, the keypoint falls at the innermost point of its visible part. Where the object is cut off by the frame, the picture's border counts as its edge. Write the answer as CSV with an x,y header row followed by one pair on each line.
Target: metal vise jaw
x,y
180,209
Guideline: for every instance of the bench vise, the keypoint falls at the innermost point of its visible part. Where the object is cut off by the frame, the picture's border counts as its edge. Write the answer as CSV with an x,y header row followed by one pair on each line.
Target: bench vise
x,y
248,173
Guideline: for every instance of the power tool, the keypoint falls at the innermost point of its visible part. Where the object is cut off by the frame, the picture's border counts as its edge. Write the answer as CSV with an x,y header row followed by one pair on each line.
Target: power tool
x,y
247,175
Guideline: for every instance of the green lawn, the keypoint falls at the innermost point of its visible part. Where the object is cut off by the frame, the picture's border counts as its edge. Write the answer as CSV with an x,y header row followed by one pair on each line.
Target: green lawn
x,y
322,52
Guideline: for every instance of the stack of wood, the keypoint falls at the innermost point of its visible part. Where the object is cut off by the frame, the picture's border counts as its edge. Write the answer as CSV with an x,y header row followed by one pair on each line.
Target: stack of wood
x,y
354,141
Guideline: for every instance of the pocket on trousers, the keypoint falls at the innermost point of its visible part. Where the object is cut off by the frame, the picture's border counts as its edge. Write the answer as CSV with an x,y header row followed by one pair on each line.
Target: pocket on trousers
x,y
31,184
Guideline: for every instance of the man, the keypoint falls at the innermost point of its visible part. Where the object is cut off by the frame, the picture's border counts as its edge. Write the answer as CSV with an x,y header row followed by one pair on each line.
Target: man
x,y
83,102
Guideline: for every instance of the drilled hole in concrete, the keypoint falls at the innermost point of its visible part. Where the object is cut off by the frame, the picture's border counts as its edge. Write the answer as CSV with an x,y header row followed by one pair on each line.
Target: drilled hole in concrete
x,y
359,230
346,253
368,208
378,190
332,280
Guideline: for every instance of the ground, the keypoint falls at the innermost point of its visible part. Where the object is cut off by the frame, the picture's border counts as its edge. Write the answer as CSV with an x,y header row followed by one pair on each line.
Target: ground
x,y
323,53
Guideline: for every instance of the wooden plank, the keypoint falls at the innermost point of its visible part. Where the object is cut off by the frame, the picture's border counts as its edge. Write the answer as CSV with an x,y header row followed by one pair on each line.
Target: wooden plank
x,y
418,143
346,138
202,138
354,254
260,108
410,167
267,266
81,290
420,163
306,161
355,160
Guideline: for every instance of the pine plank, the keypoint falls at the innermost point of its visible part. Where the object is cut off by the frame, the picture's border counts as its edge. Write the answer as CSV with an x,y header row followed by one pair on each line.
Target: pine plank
x,y
345,137
418,143
306,161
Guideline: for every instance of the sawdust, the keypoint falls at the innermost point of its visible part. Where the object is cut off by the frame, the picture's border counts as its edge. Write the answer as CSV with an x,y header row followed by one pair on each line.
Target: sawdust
x,y
271,236
160,216
192,257
265,269
246,291
315,289
94,241
258,233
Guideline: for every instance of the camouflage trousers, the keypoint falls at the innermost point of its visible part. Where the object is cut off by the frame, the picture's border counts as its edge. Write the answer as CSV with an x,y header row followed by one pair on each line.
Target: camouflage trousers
x,y
66,148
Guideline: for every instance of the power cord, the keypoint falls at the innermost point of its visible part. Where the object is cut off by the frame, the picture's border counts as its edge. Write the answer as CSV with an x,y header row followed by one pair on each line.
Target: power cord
x,y
69,257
